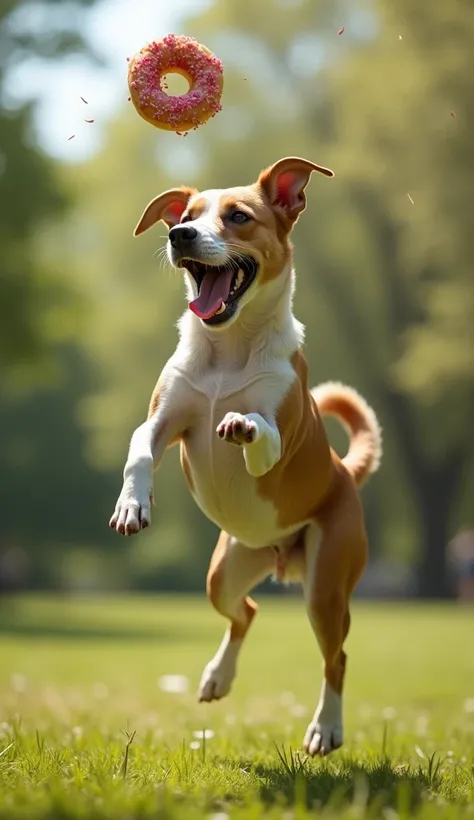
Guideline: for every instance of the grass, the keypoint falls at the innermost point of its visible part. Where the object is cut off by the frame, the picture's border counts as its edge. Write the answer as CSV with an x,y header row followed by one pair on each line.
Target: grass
x,y
87,731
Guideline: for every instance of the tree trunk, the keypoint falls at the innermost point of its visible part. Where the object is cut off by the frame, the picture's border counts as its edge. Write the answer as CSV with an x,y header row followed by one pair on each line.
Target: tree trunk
x,y
436,493
432,575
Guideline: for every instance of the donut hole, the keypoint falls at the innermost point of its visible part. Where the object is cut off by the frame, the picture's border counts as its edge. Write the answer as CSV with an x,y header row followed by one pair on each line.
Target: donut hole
x,y
175,83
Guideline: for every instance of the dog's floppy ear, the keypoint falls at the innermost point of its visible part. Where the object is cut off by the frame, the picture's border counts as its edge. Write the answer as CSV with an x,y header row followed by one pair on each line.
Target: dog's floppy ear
x,y
168,206
285,181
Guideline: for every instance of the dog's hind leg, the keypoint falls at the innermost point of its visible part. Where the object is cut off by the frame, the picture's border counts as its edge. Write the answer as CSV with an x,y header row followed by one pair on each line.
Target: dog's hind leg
x,y
234,571
335,556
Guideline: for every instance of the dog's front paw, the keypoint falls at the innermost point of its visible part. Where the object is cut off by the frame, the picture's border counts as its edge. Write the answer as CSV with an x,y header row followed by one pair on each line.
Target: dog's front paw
x,y
322,738
132,511
237,429
216,681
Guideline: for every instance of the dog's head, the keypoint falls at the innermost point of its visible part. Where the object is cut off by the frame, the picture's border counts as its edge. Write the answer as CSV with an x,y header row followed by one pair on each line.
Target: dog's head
x,y
232,242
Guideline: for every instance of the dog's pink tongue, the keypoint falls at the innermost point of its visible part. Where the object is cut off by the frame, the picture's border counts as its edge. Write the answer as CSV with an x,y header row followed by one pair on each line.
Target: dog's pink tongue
x,y
215,288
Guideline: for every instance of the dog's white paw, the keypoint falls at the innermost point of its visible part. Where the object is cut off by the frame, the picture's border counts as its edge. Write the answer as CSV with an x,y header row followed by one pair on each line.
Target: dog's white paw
x,y
237,429
216,682
322,738
133,508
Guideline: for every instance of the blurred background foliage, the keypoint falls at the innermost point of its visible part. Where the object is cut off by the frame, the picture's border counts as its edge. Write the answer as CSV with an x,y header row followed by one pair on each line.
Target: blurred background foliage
x,y
383,254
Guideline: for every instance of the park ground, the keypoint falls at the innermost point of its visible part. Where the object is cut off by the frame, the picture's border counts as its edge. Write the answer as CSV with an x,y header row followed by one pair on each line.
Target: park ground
x,y
98,715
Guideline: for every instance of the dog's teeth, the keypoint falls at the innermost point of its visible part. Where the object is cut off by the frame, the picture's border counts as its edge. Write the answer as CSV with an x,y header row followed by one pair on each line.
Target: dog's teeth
x,y
240,278
221,309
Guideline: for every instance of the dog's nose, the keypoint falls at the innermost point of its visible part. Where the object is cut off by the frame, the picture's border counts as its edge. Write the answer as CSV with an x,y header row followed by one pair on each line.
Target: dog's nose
x,y
181,236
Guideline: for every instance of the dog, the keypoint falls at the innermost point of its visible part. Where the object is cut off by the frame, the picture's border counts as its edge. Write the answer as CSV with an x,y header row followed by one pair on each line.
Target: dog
x,y
254,450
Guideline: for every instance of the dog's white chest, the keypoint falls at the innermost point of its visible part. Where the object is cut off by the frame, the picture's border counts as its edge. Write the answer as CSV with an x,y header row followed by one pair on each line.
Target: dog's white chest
x,y
219,480
221,485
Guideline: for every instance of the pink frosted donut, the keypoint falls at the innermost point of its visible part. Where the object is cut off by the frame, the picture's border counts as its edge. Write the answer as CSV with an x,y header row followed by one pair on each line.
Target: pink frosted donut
x,y
176,54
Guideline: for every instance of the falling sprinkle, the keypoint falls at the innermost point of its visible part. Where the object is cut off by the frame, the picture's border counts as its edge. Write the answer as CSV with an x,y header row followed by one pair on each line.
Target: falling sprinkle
x,y
84,101
88,120
453,114
128,59
128,99
400,37
411,200
71,137
341,30
245,79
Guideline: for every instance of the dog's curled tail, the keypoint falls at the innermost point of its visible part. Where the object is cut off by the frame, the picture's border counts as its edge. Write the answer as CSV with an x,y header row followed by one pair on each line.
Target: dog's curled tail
x,y
360,421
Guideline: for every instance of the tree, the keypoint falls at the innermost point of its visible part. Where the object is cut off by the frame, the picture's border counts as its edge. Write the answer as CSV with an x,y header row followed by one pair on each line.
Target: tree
x,y
137,300
384,285
395,112
404,150
42,371
30,190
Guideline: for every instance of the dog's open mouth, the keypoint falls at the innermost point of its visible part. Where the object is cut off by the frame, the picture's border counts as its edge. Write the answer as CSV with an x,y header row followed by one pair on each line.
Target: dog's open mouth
x,y
220,288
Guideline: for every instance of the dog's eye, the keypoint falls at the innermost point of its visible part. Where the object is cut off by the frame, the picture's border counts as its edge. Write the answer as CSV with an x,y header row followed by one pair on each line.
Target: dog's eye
x,y
239,217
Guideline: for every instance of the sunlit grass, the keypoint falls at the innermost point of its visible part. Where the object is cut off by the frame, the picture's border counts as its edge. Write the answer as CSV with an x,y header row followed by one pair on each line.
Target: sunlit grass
x,y
98,717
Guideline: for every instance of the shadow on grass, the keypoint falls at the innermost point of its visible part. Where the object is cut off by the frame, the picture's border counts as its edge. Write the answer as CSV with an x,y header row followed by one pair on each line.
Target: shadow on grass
x,y
376,784
18,624
50,630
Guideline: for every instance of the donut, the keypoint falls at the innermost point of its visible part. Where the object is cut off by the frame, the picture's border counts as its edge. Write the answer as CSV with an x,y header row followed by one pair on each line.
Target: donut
x,y
176,54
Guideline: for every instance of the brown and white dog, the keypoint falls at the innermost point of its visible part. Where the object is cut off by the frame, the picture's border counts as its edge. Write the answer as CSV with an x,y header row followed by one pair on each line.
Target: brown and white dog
x,y
253,447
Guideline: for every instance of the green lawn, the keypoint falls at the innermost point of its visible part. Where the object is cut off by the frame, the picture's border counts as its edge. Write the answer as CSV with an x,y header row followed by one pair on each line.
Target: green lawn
x,y
77,676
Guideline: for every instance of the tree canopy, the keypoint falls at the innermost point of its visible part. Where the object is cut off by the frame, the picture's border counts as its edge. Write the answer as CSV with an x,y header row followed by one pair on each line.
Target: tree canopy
x,y
383,256
31,192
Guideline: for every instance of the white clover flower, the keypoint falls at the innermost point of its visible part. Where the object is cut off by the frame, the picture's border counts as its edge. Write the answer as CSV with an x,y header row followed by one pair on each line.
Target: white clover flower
x,y
204,734
174,684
